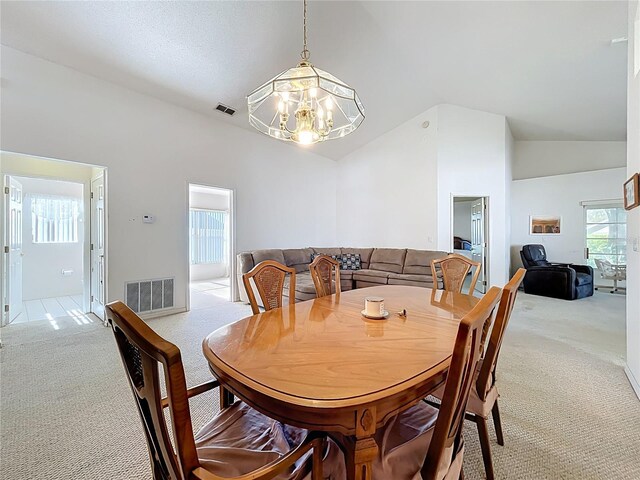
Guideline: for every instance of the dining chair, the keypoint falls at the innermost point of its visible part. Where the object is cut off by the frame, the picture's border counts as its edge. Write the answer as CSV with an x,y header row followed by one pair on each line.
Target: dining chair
x,y
483,398
325,272
269,278
424,429
454,270
238,442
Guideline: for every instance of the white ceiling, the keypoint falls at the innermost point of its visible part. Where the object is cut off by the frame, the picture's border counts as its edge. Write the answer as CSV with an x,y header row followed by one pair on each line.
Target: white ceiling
x,y
548,66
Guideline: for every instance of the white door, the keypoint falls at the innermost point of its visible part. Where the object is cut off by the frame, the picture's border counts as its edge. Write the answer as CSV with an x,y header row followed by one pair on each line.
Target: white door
x,y
97,246
478,241
13,248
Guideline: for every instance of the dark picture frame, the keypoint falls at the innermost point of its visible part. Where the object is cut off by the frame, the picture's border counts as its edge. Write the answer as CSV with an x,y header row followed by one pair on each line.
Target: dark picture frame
x,y
631,194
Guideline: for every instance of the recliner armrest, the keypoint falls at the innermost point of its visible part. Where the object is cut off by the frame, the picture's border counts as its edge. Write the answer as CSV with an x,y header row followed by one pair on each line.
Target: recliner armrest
x,y
583,269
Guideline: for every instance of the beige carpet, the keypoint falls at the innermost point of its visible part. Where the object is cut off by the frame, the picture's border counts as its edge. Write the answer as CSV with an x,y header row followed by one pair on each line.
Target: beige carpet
x,y
568,410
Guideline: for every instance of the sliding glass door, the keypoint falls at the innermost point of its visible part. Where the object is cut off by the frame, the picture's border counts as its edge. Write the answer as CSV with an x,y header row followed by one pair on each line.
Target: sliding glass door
x,y
606,233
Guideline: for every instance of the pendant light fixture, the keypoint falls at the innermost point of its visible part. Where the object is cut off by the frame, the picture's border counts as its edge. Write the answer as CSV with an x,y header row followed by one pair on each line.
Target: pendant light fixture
x,y
304,104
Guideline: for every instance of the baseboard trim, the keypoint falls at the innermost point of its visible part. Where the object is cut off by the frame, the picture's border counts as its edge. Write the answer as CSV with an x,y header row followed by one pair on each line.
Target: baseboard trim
x,y
162,313
632,380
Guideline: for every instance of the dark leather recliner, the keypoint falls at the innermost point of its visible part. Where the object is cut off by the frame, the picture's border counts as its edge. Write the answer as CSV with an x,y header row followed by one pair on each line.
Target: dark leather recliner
x,y
557,280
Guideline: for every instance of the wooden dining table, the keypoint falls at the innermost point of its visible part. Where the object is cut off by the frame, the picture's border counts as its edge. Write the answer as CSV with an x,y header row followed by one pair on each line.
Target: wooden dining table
x,y
321,365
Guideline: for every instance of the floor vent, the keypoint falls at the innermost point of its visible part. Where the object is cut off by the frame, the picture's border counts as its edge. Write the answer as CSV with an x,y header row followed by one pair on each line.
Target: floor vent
x,y
149,295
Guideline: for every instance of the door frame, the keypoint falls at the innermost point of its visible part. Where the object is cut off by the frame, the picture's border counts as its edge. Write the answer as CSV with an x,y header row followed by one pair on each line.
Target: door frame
x,y
234,294
86,255
487,229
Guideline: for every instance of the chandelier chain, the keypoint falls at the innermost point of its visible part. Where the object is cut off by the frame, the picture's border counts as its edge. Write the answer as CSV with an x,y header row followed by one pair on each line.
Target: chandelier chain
x,y
305,51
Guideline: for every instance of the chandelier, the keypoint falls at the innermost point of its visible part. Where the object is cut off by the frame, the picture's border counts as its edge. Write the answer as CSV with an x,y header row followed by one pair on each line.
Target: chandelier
x,y
304,104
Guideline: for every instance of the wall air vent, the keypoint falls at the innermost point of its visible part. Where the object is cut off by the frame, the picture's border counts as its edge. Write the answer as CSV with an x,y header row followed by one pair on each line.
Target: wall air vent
x,y
224,109
149,295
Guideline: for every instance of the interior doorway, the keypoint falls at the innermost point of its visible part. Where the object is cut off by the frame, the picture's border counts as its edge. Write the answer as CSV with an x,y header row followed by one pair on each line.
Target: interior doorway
x,y
470,229
211,271
49,227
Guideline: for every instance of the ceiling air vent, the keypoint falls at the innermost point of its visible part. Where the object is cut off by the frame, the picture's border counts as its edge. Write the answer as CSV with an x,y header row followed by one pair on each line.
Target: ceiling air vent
x,y
224,109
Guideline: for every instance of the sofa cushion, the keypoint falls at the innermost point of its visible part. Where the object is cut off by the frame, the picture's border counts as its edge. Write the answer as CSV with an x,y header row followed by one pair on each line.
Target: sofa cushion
x,y
419,261
350,261
316,255
297,258
346,280
304,283
425,281
365,254
371,276
327,250
388,259
411,277
347,274
270,254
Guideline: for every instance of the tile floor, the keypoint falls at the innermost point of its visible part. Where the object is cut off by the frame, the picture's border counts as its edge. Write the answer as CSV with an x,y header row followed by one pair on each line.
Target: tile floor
x,y
208,293
50,308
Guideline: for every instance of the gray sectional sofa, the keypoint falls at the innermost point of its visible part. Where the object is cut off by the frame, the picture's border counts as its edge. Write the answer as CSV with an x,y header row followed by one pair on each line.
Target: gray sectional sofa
x,y
379,266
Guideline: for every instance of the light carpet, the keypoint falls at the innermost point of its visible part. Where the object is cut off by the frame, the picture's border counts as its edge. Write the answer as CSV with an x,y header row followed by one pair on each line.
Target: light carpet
x,y
568,410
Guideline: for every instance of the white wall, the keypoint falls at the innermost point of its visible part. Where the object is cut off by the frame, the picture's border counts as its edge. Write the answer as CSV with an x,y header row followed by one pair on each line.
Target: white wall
x,y
545,158
472,162
397,190
210,200
462,219
559,195
387,189
43,263
633,216
153,150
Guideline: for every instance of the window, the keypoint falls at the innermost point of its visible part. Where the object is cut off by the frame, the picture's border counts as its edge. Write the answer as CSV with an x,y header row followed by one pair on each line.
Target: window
x,y
54,219
606,233
207,229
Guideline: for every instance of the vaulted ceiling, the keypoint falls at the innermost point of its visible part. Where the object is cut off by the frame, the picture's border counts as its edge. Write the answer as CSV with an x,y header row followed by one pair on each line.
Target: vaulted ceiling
x,y
549,67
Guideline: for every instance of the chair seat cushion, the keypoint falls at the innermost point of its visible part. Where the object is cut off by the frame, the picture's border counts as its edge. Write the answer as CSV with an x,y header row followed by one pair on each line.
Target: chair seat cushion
x,y
403,443
240,439
583,279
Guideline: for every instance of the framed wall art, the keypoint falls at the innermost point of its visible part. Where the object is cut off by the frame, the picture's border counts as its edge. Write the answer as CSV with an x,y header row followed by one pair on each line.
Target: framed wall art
x,y
544,225
631,197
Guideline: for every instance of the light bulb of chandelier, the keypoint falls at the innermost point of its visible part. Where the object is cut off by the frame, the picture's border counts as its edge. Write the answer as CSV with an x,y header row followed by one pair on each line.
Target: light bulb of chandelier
x,y
313,92
320,113
281,106
305,137
284,96
329,104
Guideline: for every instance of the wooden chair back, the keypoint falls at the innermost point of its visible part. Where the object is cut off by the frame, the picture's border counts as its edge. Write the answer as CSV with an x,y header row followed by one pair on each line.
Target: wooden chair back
x,y
447,436
454,270
325,272
269,278
141,350
486,376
